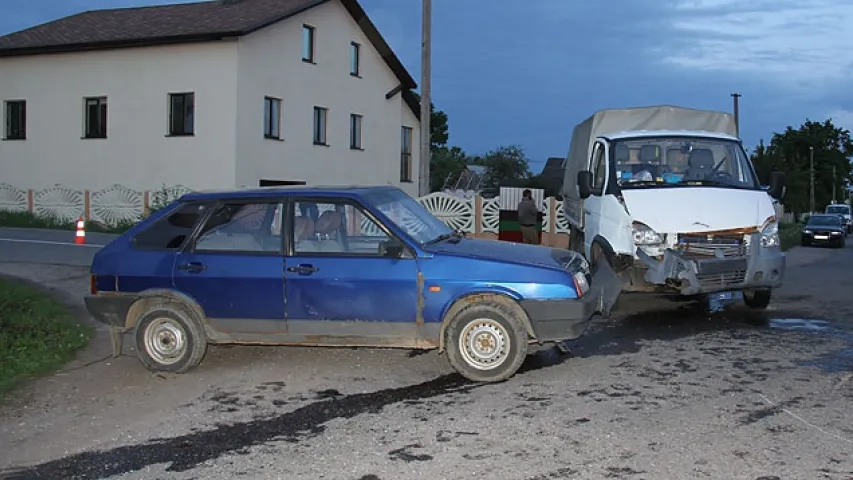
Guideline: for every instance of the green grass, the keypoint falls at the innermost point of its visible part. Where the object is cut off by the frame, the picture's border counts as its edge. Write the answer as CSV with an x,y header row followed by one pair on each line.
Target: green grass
x,y
38,334
789,235
31,220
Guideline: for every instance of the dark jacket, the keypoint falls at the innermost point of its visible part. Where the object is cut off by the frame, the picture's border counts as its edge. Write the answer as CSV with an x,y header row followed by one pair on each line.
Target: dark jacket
x,y
527,212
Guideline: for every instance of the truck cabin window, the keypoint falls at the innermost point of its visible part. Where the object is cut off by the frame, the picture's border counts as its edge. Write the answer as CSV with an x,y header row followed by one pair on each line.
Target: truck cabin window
x,y
681,161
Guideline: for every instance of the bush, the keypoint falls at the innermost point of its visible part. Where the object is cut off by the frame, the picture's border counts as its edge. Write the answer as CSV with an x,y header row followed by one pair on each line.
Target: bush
x,y
37,333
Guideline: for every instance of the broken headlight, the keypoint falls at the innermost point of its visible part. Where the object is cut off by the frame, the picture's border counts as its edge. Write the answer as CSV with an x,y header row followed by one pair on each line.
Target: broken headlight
x,y
643,235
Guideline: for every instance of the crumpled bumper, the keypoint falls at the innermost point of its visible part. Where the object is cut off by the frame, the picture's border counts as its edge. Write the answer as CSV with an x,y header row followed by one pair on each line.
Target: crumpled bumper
x,y
760,268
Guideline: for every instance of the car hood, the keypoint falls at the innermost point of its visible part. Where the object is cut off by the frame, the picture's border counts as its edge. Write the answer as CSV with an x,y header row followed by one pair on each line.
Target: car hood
x,y
509,252
823,228
698,209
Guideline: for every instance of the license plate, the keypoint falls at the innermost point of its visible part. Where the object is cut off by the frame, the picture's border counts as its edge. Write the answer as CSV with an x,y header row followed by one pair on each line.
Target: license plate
x,y
821,237
722,296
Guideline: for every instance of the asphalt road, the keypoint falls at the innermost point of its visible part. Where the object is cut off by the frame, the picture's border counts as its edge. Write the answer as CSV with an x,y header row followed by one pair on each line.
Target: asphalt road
x,y
658,391
49,247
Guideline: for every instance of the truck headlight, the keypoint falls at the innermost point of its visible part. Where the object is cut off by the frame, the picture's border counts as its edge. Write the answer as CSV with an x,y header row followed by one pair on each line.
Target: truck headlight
x,y
643,235
770,234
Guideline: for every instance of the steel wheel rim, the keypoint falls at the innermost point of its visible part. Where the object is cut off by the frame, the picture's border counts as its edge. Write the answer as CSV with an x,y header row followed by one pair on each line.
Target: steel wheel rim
x,y
484,344
165,341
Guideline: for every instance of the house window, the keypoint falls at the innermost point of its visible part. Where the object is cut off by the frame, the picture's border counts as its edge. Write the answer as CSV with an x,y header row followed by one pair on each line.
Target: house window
x,y
181,114
307,43
320,114
16,120
355,131
354,56
95,117
272,118
406,155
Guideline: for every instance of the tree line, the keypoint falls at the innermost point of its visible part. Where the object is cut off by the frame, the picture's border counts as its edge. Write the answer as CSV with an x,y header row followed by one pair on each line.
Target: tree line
x,y
787,152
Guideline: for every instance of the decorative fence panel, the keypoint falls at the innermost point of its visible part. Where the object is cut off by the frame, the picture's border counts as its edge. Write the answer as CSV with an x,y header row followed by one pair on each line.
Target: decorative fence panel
x,y
117,205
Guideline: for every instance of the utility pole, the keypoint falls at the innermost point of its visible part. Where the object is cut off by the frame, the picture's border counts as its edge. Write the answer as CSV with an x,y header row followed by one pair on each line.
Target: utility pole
x,y
426,98
811,179
834,179
735,97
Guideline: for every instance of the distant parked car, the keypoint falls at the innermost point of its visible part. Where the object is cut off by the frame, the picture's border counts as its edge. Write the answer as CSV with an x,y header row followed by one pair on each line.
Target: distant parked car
x,y
350,266
844,211
825,229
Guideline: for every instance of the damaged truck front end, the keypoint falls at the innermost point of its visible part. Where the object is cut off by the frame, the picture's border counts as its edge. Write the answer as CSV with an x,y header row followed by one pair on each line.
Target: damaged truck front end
x,y
707,262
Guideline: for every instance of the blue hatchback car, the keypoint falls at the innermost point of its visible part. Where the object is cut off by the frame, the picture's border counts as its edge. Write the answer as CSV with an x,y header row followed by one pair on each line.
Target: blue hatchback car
x,y
335,266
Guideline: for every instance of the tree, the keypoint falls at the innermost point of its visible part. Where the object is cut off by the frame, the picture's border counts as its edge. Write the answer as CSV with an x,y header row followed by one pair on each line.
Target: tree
x,y
505,165
788,152
439,130
445,162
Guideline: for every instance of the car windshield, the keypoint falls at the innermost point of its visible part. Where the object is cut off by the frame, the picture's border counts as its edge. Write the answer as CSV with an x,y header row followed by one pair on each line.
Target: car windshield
x,y
824,220
842,209
681,161
409,215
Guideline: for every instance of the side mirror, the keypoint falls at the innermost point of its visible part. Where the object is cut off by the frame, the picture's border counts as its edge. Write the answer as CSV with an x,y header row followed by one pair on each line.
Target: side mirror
x,y
584,184
392,248
777,185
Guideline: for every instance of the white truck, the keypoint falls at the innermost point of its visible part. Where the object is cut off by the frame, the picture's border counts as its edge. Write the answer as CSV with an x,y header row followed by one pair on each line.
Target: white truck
x,y
842,210
668,197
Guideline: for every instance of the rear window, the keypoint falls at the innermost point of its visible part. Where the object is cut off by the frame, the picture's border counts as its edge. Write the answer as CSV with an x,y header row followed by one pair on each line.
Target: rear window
x,y
171,231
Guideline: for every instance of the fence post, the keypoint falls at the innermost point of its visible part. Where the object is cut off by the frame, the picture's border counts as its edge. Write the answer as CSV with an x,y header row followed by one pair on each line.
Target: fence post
x,y
87,204
478,216
146,203
31,200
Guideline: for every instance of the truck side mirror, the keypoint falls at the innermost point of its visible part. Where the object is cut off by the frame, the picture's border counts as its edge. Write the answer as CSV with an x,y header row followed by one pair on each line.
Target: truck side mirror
x,y
777,185
584,184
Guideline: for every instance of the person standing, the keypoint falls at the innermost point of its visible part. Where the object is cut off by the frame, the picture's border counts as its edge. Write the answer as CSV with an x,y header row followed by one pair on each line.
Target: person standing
x,y
527,218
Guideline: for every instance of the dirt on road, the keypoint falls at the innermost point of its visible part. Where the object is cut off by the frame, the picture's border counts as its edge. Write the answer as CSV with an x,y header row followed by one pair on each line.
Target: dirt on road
x,y
662,392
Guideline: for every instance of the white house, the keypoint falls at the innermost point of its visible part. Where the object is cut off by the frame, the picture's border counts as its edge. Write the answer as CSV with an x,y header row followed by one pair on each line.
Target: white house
x,y
216,94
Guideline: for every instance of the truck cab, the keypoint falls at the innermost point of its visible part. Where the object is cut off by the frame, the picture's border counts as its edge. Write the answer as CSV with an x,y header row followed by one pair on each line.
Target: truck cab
x,y
673,211
843,211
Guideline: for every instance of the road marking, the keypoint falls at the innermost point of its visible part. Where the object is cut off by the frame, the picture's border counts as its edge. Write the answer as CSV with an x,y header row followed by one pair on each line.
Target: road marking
x,y
49,242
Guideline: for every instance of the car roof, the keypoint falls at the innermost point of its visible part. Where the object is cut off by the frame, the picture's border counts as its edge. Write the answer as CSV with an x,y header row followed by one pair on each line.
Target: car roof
x,y
280,191
638,134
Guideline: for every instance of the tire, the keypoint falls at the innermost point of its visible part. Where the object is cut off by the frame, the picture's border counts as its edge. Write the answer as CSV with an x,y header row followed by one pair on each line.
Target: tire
x,y
757,299
490,322
169,338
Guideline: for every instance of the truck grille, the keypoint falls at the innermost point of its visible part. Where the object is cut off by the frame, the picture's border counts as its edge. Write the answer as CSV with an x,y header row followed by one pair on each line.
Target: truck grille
x,y
718,246
723,279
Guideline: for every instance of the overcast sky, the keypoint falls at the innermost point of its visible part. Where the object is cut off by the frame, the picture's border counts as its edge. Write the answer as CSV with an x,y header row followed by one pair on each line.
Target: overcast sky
x,y
525,72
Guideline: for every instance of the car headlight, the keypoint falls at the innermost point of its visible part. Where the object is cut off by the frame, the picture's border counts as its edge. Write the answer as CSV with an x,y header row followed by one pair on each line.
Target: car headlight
x,y
643,235
807,231
835,233
770,233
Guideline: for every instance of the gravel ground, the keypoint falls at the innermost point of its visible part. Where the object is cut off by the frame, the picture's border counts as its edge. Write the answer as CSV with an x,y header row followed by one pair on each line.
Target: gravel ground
x,y
658,391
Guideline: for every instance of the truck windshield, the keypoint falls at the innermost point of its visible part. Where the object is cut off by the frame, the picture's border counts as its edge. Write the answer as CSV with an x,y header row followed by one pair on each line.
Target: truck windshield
x,y
681,161
842,209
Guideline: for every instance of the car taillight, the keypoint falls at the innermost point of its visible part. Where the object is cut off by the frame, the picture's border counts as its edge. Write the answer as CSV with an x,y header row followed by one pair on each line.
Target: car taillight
x,y
93,286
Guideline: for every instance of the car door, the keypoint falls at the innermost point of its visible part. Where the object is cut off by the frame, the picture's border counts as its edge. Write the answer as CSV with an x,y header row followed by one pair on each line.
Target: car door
x,y
593,205
234,267
340,288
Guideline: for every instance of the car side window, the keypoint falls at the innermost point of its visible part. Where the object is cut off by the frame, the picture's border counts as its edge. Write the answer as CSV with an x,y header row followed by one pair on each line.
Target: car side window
x,y
242,227
171,231
599,170
335,227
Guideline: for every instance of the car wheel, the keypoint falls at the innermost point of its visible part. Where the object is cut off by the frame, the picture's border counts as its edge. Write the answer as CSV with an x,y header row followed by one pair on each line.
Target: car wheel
x,y
757,299
169,339
486,342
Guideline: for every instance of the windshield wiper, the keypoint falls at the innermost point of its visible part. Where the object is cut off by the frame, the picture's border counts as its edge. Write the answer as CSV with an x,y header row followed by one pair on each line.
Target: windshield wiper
x,y
455,235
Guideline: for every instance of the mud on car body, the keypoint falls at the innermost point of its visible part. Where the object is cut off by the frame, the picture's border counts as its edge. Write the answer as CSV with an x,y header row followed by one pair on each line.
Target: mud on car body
x,y
335,266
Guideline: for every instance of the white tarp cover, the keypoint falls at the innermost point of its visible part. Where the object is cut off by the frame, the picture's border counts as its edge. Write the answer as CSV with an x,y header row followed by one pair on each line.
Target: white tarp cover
x,y
603,122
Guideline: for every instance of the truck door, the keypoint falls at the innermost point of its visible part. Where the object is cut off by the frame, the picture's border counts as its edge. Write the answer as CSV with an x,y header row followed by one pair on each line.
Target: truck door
x,y
592,206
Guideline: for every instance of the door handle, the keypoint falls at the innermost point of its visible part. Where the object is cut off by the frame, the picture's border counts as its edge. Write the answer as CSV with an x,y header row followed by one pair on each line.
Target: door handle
x,y
192,267
304,269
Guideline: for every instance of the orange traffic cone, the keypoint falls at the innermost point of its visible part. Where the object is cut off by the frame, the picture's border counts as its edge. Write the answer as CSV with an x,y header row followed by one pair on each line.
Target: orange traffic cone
x,y
80,239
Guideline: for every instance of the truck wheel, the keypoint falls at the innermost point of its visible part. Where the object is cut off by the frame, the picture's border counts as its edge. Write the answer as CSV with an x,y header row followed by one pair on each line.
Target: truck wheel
x,y
486,342
169,338
757,299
